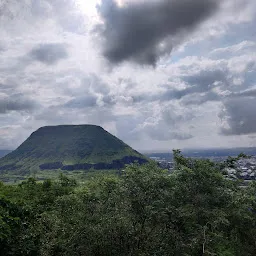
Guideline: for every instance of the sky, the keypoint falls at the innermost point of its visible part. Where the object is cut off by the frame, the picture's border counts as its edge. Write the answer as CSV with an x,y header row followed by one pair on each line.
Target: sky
x,y
158,74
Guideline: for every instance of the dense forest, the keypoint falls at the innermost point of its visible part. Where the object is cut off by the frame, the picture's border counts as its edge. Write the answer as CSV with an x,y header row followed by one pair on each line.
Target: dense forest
x,y
142,211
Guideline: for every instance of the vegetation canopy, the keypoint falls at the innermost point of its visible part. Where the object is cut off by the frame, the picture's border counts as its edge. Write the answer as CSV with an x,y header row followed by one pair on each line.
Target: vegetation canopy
x,y
142,211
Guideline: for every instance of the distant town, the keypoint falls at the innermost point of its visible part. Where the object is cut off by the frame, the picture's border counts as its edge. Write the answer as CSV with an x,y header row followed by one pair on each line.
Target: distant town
x,y
244,168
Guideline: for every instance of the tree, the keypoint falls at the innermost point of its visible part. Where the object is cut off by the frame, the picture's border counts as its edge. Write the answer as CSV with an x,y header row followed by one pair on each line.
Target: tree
x,y
145,211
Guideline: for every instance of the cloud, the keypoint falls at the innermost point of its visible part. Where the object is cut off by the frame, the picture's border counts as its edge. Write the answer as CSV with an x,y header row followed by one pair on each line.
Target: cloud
x,y
82,102
205,86
206,78
7,87
91,92
17,102
53,72
200,84
167,135
9,135
49,54
167,123
37,13
201,98
246,93
239,116
239,48
199,88
2,47
145,31
68,14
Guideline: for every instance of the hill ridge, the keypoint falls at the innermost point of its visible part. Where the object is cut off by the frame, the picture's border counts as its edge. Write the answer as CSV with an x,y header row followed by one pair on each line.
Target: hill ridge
x,y
71,146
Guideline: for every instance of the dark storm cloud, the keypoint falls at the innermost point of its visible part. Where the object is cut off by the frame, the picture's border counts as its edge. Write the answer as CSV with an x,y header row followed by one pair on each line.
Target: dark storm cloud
x,y
143,32
17,103
239,113
49,54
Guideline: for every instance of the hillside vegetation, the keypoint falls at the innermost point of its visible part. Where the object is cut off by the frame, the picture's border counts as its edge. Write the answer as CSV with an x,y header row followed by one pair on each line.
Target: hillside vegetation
x,y
70,147
142,212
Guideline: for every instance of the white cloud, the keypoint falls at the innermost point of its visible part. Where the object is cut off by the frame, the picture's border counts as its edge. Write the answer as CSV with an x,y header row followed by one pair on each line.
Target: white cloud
x,y
176,104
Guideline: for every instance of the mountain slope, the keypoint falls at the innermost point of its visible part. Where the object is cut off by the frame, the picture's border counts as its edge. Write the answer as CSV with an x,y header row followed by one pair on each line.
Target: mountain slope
x,y
70,147
4,152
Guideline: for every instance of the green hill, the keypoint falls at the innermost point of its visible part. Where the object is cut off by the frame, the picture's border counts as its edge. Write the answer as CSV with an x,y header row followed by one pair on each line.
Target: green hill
x,y
4,152
70,147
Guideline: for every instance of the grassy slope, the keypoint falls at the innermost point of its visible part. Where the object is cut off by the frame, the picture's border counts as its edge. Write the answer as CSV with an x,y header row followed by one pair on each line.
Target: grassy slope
x,y
70,145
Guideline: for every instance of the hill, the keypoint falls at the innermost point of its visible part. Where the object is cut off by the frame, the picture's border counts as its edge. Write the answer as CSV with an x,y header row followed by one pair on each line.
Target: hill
x,y
4,152
70,147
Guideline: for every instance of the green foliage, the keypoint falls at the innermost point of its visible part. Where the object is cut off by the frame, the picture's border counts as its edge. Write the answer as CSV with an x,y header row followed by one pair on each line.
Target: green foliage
x,y
143,211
